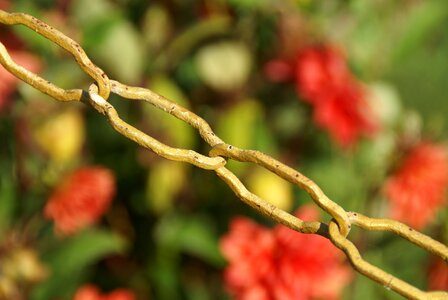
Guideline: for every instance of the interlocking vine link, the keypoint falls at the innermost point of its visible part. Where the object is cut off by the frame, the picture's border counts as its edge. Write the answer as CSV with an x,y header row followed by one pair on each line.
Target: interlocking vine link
x,y
338,228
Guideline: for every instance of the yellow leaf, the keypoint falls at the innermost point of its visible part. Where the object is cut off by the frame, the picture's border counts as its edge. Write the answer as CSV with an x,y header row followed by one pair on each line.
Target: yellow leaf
x,y
61,136
271,188
225,65
165,180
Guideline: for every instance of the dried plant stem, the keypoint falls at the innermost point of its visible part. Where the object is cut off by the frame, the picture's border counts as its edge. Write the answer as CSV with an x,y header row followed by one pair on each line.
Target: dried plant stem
x,y
337,230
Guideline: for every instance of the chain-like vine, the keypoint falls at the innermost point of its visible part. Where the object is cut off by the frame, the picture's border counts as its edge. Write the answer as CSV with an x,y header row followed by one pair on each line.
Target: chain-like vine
x,y
338,228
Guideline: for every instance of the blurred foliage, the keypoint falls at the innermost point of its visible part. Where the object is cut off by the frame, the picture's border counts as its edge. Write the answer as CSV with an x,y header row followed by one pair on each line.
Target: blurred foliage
x,y
160,238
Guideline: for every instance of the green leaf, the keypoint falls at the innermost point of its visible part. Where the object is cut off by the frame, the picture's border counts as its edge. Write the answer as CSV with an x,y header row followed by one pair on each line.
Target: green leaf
x,y
120,51
427,96
238,126
35,41
265,140
8,184
340,180
361,288
83,249
190,234
288,119
114,44
248,4
425,17
165,273
86,12
165,180
70,259
156,27
177,132
7,201
375,155
185,42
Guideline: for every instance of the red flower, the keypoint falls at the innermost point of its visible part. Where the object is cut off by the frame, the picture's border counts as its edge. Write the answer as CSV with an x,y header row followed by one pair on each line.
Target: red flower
x,y
281,263
323,78
90,292
320,72
417,189
345,115
438,275
81,199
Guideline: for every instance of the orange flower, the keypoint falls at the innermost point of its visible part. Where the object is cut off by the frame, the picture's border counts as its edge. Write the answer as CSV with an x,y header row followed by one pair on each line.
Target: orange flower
x,y
4,4
81,199
281,263
438,275
416,191
91,292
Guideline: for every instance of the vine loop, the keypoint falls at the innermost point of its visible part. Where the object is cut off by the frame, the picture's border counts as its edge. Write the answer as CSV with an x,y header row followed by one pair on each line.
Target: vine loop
x,y
337,229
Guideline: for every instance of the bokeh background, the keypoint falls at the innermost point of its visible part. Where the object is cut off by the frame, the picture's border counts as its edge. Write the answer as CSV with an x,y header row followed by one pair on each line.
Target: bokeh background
x,y
238,64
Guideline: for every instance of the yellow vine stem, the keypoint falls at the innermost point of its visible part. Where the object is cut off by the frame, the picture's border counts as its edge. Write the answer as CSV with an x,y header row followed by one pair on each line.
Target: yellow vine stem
x,y
289,174
138,93
337,230
415,237
63,41
387,280
268,209
144,140
204,129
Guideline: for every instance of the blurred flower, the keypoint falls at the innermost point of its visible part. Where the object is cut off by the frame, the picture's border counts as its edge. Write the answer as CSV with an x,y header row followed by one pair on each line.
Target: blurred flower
x,y
416,191
8,289
20,269
91,292
343,115
8,82
81,199
23,264
438,275
339,101
250,250
281,263
320,72
324,80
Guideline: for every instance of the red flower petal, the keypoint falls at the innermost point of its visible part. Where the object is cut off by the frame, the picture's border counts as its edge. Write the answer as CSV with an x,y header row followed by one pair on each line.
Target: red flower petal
x,y
87,292
417,189
339,103
438,275
91,292
282,263
81,199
